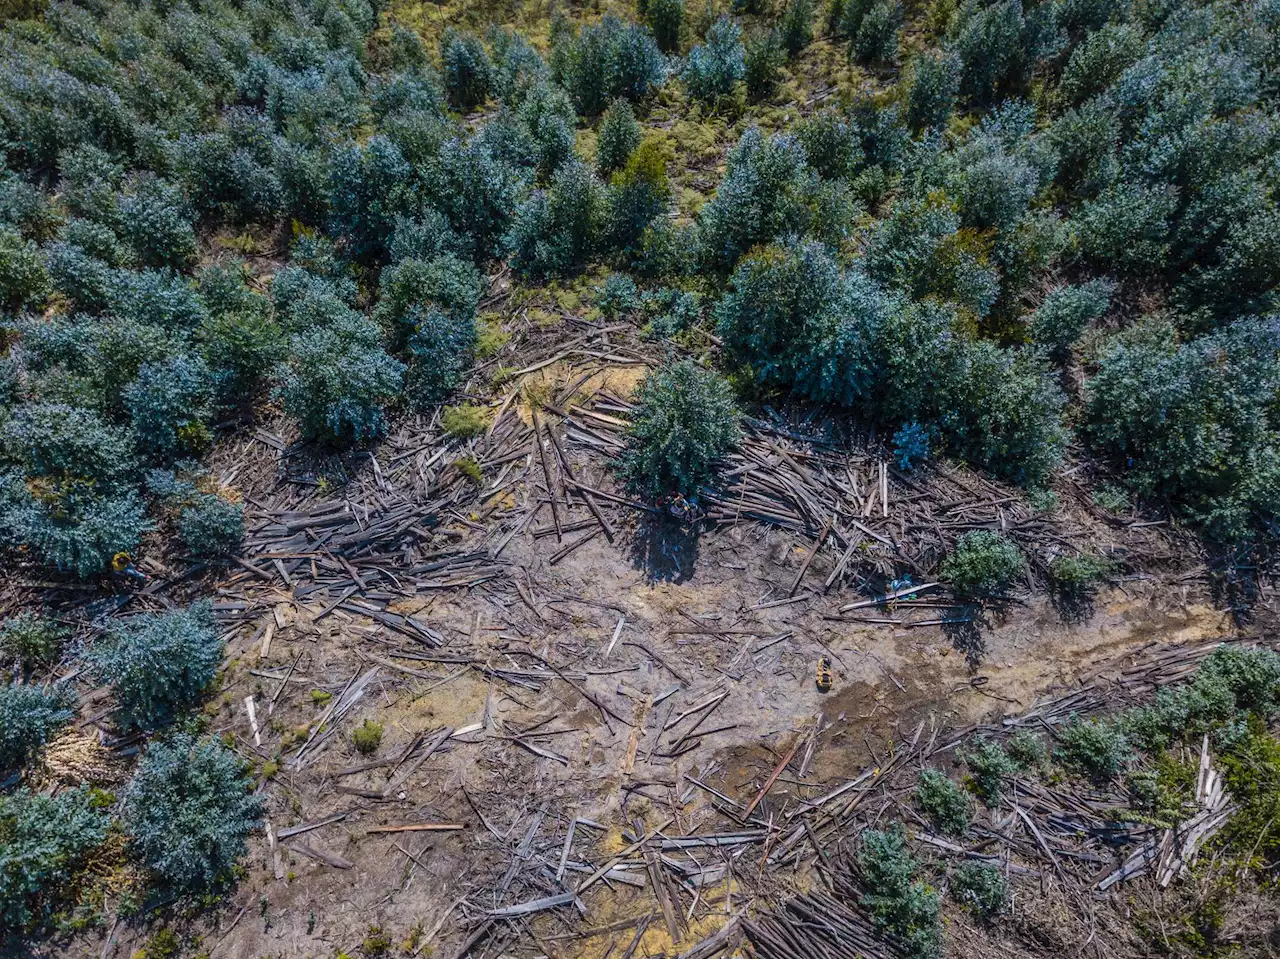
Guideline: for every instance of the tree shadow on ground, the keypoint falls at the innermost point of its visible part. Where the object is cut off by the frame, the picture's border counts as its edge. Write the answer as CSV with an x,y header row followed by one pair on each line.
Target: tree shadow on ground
x,y
1074,606
963,627
665,549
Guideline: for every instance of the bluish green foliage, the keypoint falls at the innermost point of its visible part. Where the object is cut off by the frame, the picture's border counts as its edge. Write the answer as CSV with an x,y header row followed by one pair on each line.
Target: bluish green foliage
x,y
338,381
369,186
832,143
43,841
1097,748
795,26
683,422
157,298
672,312
559,229
83,278
239,349
877,38
901,905
29,716
169,405
932,89
440,349
638,196
991,41
921,248
983,562
715,67
989,765
980,888
517,66
666,19
31,639
71,526
1229,686
617,138
911,445
154,220
607,60
189,811
229,174
466,67
943,802
424,237
1077,577
1066,313
762,64
446,284
1099,61
158,663
1194,423
548,115
617,295
1127,227
63,444
23,278
765,194
210,525
476,191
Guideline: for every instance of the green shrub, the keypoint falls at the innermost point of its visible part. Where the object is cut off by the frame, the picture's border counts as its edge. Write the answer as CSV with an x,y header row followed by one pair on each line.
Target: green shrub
x,y
617,295
72,527
188,810
762,64
684,421
1096,748
1127,227
82,278
157,298
467,70
618,136
158,663
517,66
559,230
32,639
464,421
169,406
210,525
1067,312
240,349
604,61
29,716
338,380
440,349
1026,749
990,40
43,842
1194,424
932,89
157,224
1078,575
795,26
63,443
23,279
877,38
980,888
988,766
1228,687
367,737
666,19
901,905
983,562
637,198
943,802
765,194
715,67
410,287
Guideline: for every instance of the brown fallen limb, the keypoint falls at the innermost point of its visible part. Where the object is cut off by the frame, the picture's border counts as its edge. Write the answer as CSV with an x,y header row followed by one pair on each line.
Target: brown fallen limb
x,y
773,778
804,567
568,548
584,493
418,827
534,905
546,471
319,855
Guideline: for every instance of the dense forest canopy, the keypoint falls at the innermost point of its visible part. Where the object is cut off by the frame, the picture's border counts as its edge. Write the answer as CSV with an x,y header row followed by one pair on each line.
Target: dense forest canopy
x,y
1030,233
